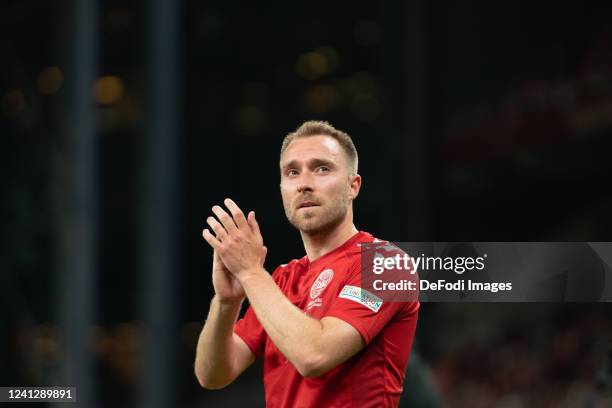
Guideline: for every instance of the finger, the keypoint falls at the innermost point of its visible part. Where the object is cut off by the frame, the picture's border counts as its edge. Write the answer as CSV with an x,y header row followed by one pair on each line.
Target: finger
x,y
253,223
226,220
220,232
210,238
237,213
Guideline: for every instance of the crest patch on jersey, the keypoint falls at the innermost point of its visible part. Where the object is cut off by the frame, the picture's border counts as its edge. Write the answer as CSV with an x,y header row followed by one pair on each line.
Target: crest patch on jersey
x,y
321,283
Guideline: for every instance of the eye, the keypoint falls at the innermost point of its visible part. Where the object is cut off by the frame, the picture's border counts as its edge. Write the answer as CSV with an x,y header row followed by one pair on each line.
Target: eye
x,y
292,172
323,169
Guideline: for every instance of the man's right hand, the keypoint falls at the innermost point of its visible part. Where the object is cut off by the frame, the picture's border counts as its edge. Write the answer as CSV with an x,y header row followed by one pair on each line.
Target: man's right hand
x,y
227,288
221,354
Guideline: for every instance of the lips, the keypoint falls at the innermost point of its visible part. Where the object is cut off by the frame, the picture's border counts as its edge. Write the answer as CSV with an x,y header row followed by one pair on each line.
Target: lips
x,y
308,204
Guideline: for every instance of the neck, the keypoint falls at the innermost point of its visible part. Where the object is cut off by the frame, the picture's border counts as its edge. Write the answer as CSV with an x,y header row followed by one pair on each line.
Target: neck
x,y
319,244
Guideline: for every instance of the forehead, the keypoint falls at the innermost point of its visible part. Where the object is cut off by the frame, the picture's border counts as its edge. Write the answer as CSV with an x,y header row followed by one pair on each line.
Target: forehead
x,y
320,146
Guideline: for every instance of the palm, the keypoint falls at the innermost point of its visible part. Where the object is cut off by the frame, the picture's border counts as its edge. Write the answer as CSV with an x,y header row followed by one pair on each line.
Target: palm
x,y
226,286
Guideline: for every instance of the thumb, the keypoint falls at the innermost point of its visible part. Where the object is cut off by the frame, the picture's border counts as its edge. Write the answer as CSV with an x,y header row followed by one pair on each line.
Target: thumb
x,y
265,252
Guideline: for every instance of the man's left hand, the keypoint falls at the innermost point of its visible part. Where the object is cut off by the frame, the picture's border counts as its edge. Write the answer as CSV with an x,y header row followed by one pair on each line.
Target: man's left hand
x,y
236,239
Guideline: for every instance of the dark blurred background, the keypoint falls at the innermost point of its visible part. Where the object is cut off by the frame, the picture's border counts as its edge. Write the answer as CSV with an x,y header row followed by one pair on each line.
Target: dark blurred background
x,y
122,123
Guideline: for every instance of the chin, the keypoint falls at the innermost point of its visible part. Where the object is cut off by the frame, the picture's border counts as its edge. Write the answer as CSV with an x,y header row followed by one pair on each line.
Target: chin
x,y
311,223
313,226
306,225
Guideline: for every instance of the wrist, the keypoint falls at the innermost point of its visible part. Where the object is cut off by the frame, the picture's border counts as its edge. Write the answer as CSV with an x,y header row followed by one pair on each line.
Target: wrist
x,y
248,274
228,302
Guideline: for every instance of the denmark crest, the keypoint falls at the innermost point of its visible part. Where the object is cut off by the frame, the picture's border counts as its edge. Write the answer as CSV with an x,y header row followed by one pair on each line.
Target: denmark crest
x,y
321,283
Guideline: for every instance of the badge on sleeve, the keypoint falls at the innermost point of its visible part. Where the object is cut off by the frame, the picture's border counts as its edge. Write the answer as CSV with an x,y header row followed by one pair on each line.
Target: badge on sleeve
x,y
362,296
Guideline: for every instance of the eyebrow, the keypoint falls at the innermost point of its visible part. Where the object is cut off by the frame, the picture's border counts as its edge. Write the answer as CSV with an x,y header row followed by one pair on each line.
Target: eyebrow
x,y
311,163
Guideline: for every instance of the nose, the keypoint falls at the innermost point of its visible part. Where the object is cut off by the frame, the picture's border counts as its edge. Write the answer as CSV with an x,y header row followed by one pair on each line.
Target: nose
x,y
305,182
304,188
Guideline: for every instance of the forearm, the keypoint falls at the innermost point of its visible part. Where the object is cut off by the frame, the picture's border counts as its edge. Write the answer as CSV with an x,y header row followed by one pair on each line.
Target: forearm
x,y
297,335
214,363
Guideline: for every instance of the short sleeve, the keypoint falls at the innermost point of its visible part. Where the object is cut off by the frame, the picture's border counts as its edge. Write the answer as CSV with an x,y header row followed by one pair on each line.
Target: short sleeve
x,y
249,329
365,311
251,332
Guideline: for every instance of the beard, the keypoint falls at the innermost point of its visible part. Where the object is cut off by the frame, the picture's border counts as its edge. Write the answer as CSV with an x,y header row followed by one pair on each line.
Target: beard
x,y
322,219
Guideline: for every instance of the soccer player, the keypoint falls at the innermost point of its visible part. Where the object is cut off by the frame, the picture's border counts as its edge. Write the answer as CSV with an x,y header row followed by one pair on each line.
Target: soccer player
x,y
322,345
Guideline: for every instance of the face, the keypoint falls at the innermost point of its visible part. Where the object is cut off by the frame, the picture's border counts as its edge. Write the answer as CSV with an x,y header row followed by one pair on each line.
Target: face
x,y
316,184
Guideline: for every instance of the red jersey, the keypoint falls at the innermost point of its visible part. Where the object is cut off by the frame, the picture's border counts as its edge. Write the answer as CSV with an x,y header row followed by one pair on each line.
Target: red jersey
x,y
326,287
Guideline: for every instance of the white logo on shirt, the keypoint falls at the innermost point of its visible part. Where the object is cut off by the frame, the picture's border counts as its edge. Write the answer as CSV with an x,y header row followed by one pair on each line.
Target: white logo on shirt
x,y
376,240
321,283
314,303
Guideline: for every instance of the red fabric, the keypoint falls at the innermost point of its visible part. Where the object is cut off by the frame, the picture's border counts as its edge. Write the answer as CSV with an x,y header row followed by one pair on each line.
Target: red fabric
x,y
371,378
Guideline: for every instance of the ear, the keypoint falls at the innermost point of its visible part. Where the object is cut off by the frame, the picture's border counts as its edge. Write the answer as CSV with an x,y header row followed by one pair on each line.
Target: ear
x,y
355,186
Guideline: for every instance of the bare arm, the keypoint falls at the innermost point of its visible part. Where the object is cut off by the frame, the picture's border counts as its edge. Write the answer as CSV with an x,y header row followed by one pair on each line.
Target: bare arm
x,y
221,355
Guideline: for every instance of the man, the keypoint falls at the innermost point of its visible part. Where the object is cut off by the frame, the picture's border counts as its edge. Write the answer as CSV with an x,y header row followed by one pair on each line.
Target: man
x,y
322,347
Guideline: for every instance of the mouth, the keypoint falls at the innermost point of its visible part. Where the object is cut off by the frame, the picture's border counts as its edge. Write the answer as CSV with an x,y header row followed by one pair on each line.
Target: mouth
x,y
307,204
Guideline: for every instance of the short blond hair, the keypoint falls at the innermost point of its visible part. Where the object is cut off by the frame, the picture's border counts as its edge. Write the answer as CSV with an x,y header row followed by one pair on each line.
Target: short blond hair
x,y
318,128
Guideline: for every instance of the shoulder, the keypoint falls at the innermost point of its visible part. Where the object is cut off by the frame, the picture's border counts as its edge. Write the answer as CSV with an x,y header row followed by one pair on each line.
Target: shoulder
x,y
380,247
369,245
362,248
283,271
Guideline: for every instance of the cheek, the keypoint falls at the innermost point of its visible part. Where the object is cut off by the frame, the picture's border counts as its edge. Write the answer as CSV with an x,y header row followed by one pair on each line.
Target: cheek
x,y
334,188
285,192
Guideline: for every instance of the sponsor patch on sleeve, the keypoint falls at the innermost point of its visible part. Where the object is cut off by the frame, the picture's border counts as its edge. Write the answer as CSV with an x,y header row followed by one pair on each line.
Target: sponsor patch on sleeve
x,y
362,296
